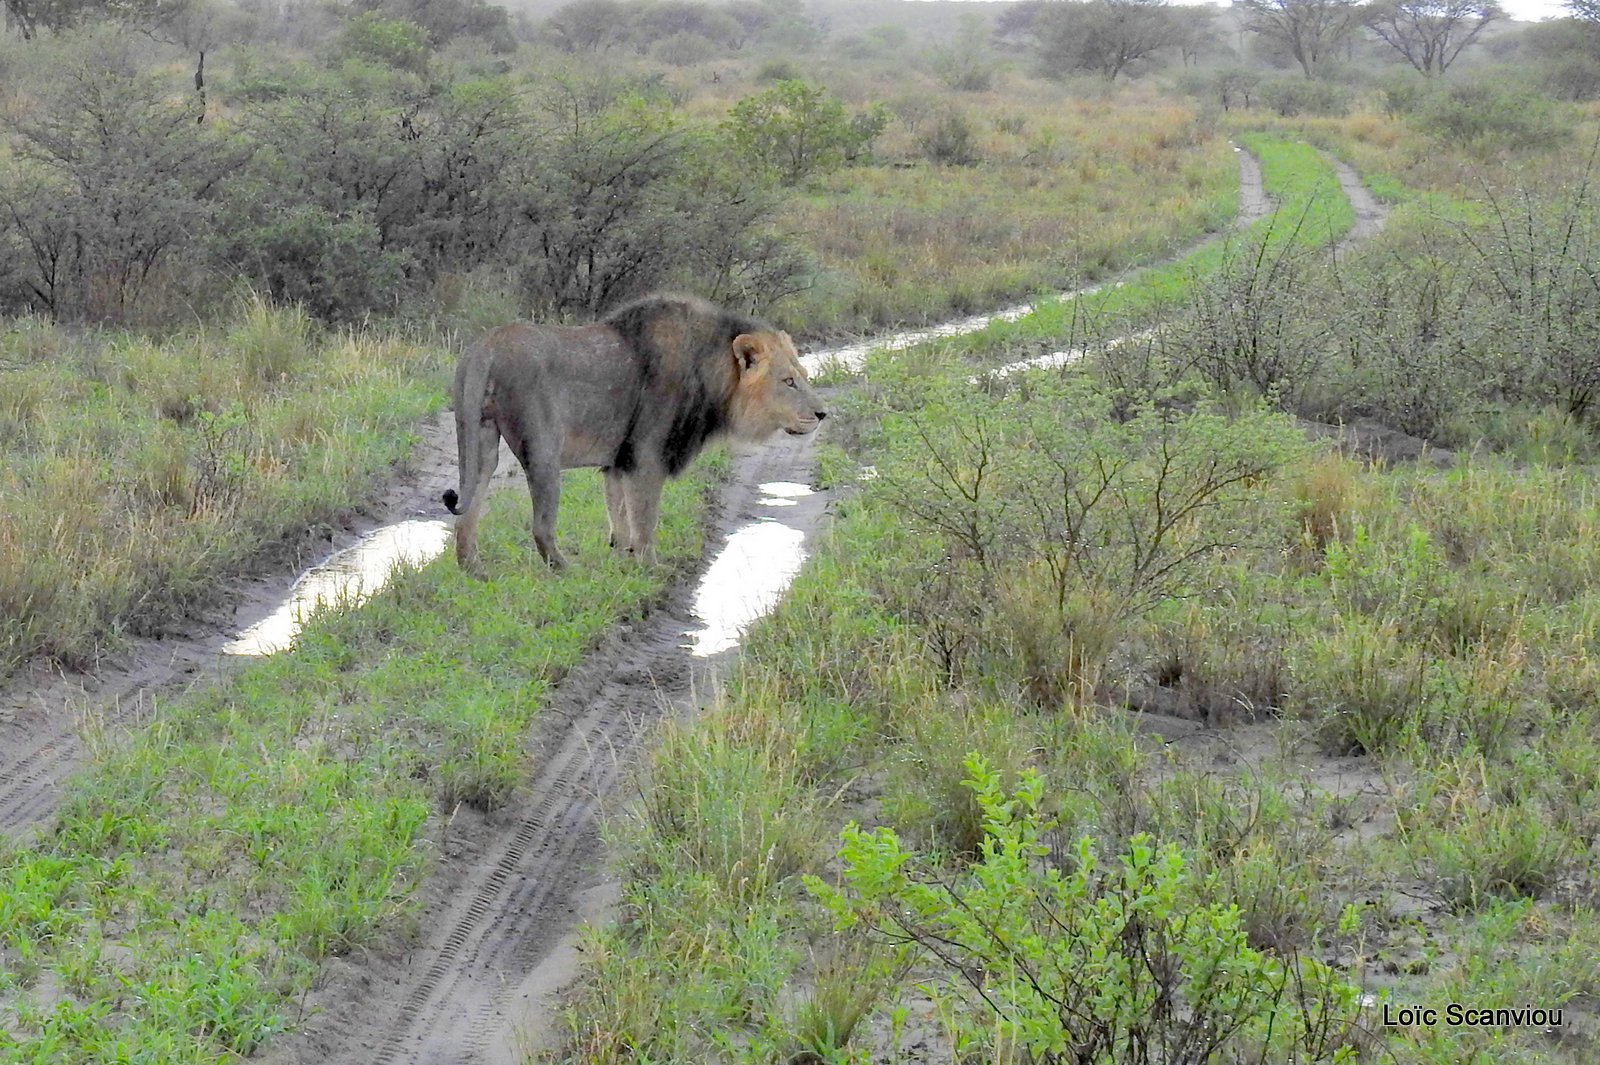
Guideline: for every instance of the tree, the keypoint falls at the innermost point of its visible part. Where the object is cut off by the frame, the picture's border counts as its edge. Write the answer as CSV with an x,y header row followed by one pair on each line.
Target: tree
x,y
589,25
1312,30
445,20
1431,33
1585,11
623,197
1107,36
117,181
1197,31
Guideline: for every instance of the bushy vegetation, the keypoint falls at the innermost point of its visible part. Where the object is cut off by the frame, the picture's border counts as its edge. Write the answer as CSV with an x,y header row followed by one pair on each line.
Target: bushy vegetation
x,y
928,815
358,188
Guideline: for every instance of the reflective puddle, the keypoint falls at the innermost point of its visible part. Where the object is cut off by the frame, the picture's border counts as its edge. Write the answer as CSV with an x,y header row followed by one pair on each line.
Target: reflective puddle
x,y
852,356
1056,359
750,573
349,577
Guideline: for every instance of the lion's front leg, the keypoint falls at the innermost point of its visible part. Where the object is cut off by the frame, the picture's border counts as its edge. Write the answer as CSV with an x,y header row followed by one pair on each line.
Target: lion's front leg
x,y
617,509
642,496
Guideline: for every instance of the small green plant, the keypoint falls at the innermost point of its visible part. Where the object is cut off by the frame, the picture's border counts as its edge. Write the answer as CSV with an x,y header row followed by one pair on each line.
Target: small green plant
x,y
851,974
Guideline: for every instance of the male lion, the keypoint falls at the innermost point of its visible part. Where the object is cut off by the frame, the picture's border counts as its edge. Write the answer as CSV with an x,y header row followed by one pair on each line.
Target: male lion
x,y
637,394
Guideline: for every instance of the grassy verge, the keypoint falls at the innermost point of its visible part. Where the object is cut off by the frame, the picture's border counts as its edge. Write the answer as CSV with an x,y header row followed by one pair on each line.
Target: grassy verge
x,y
1057,195
1416,812
133,473
201,867
1311,212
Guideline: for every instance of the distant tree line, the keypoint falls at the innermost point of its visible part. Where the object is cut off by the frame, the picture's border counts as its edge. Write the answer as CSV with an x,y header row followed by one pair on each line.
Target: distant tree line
x,y
199,24
1115,37
680,31
355,185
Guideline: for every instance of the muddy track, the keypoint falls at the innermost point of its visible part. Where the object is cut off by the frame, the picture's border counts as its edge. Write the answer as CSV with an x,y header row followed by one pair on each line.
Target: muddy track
x,y
492,923
499,920
42,711
1370,214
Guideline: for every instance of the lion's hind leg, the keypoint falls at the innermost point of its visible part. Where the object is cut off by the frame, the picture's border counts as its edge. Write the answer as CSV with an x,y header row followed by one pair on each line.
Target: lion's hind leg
x,y
541,463
486,438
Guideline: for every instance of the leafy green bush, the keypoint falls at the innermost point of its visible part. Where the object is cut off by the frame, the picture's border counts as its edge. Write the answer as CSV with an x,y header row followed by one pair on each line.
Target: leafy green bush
x,y
1291,96
1486,116
1056,959
391,42
796,130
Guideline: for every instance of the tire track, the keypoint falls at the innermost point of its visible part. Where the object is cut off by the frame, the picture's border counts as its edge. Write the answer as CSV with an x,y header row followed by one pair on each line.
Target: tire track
x,y
507,892
1371,216
499,922
492,929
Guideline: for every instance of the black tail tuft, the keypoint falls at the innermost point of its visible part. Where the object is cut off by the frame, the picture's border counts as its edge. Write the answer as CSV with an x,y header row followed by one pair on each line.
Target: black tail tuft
x,y
450,500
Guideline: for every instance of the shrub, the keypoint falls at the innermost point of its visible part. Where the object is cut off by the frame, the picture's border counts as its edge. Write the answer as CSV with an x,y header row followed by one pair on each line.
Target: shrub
x,y
951,140
1067,961
795,130
1300,96
119,179
1485,116
676,206
391,42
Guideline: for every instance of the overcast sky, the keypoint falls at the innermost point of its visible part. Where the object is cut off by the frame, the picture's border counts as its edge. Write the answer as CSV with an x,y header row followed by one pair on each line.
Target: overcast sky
x,y
1527,10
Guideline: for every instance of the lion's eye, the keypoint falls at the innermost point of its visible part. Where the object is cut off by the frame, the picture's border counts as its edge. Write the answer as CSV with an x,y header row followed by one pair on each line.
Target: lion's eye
x,y
790,382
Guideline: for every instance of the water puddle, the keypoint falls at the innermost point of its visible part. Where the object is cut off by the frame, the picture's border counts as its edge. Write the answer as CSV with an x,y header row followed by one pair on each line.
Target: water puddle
x,y
349,577
750,573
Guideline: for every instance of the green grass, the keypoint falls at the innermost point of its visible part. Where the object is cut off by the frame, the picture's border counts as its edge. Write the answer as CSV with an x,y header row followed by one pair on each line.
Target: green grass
x,y
1065,193
200,869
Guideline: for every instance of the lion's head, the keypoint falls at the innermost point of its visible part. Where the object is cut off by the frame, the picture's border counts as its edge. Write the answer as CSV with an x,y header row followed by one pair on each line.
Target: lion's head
x,y
771,391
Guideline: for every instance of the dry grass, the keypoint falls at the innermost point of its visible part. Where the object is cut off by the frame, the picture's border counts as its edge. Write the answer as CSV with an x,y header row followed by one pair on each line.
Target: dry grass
x,y
134,472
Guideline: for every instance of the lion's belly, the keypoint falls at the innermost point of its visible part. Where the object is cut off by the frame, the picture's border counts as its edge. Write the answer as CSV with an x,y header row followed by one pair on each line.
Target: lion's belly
x,y
583,449
590,438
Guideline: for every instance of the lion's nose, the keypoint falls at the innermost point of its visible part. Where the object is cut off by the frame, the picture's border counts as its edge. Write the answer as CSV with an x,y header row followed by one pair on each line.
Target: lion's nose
x,y
821,414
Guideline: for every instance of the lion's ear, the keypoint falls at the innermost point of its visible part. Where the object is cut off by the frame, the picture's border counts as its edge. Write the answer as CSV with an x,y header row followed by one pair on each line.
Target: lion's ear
x,y
748,350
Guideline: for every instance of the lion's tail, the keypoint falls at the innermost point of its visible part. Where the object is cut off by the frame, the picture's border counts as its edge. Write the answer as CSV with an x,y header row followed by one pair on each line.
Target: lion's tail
x,y
471,388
